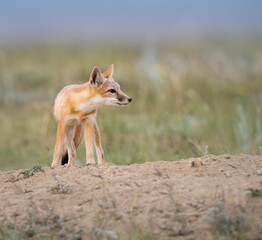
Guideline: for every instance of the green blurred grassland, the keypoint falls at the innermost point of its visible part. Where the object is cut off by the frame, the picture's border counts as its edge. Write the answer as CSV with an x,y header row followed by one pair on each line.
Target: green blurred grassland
x,y
188,100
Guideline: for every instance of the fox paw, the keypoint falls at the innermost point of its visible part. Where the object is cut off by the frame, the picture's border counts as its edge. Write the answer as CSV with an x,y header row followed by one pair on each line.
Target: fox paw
x,y
91,164
69,165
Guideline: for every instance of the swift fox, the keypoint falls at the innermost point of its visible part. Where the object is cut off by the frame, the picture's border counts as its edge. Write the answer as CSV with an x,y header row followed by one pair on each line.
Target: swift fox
x,y
75,109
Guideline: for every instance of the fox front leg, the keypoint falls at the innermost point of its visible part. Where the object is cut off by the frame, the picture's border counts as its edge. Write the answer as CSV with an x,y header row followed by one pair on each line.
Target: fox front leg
x,y
99,149
70,145
89,143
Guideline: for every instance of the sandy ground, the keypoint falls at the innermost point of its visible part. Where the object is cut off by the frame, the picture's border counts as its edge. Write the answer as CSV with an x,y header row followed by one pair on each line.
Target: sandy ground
x,y
168,199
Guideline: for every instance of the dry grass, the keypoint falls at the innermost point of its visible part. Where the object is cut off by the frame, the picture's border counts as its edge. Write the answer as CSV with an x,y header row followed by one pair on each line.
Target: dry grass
x,y
189,100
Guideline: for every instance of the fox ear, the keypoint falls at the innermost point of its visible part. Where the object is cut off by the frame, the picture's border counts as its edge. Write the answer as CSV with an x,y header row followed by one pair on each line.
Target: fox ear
x,y
96,78
109,72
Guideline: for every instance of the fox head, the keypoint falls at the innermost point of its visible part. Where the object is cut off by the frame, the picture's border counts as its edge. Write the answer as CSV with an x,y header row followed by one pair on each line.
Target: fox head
x,y
108,92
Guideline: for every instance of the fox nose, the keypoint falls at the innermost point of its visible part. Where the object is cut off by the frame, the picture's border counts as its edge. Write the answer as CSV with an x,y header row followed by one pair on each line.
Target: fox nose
x,y
129,99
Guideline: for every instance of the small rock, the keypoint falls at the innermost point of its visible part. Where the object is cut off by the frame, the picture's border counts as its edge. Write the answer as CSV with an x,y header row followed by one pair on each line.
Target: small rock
x,y
27,191
196,163
232,165
185,231
167,215
61,235
77,237
227,157
175,229
109,234
193,204
259,172
118,216
200,175
163,192
79,209
29,232
228,175
158,172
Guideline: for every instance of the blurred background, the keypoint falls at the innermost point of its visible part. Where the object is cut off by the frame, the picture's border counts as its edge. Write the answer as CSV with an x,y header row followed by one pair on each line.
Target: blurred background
x,y
193,69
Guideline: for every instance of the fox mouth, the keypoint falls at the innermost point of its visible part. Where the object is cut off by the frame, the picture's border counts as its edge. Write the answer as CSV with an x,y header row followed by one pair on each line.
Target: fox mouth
x,y
121,104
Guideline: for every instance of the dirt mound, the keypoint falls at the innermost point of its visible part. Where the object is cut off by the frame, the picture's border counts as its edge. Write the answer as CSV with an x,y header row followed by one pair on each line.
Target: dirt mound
x,y
164,199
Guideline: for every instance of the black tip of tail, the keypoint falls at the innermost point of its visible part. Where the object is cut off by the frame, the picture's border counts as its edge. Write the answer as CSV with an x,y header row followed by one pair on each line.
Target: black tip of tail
x,y
64,159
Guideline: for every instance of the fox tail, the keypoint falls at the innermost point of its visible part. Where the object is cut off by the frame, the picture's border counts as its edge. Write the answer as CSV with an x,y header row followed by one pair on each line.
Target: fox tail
x,y
77,139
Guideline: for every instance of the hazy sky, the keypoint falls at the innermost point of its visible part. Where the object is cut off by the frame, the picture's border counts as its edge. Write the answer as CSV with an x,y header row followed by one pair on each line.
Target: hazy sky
x,y
123,19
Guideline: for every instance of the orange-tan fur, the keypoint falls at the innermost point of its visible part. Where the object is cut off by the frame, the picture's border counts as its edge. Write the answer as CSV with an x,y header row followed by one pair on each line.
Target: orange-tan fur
x,y
75,109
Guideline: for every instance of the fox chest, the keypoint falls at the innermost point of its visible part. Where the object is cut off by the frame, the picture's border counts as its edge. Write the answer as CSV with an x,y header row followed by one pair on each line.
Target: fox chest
x,y
80,117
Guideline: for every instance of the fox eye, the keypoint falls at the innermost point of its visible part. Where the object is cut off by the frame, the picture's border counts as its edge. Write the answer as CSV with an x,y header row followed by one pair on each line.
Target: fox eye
x,y
112,90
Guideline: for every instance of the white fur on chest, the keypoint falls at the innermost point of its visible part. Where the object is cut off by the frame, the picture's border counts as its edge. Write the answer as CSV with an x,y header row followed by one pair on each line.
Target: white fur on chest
x,y
91,104
91,118
71,119
74,119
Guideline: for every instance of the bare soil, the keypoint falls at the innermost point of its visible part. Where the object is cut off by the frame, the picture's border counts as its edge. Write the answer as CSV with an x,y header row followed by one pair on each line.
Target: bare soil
x,y
167,199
